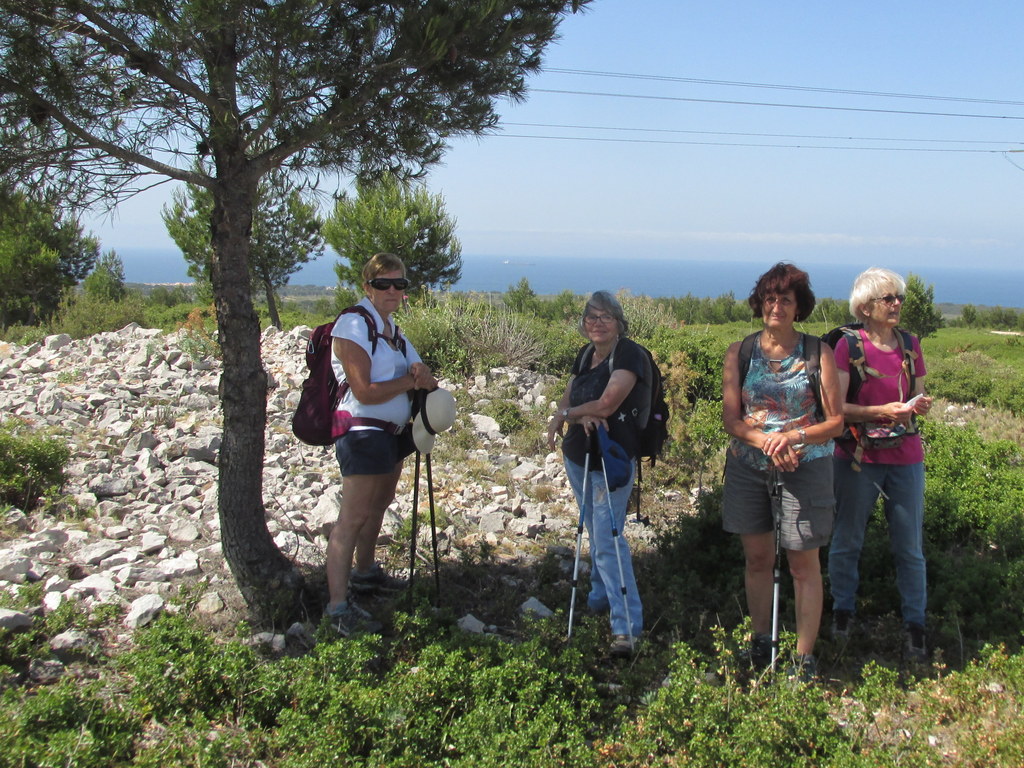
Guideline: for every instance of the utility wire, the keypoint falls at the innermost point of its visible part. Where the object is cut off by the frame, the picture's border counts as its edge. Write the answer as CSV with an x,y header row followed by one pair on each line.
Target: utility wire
x,y
804,88
759,135
772,104
744,144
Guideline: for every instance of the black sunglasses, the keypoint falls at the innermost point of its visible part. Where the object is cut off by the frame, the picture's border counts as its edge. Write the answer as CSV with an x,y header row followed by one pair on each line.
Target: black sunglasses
x,y
383,283
891,298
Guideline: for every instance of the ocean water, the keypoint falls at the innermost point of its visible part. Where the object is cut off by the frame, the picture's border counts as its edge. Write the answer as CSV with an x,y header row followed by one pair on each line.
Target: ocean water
x,y
666,277
655,276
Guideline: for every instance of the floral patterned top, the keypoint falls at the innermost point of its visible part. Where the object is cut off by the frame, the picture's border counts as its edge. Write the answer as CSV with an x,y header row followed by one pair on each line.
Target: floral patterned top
x,y
777,397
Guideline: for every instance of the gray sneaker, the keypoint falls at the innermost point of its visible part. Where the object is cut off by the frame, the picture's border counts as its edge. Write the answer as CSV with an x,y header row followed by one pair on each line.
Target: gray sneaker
x,y
375,580
348,619
915,648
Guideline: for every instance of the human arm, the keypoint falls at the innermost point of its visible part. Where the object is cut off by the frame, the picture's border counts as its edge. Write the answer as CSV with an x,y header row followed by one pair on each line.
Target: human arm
x,y
356,364
592,412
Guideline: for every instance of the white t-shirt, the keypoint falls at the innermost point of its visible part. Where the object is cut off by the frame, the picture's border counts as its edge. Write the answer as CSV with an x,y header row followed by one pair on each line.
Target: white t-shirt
x,y
385,364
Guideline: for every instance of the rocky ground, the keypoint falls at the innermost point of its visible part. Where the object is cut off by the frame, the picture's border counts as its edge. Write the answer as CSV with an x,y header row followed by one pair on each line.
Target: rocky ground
x,y
139,410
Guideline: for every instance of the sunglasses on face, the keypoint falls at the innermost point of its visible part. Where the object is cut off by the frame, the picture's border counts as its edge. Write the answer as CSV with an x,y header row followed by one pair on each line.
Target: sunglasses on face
x,y
890,299
383,283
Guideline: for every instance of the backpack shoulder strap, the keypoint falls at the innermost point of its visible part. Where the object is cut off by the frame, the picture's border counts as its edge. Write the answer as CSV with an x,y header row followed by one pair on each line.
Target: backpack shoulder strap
x,y
371,324
906,344
812,359
746,352
371,329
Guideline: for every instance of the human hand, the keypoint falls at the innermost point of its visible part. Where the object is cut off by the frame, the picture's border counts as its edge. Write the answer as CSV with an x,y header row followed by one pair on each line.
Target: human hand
x,y
422,377
555,430
920,404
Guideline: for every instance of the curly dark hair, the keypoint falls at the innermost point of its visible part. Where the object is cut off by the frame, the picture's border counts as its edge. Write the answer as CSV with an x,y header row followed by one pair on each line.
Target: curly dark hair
x,y
776,281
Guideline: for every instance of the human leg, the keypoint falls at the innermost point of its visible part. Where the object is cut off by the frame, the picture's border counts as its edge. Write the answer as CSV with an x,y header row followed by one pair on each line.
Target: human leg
x,y
805,568
383,494
855,495
605,524
904,512
358,493
759,558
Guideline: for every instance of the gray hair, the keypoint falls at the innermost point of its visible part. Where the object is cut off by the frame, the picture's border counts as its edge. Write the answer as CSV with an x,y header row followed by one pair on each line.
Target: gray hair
x,y
604,301
872,283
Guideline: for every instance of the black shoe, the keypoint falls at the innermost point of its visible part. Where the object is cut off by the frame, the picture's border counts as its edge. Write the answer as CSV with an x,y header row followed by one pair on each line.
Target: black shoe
x,y
760,652
623,646
842,624
349,619
374,581
915,648
804,670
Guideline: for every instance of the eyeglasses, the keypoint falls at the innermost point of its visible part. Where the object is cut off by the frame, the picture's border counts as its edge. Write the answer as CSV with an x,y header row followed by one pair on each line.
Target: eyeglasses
x,y
383,283
595,319
890,299
782,301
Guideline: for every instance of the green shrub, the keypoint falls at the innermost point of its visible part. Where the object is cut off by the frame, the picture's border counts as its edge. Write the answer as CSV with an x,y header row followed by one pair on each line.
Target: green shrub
x,y
31,465
84,314
74,722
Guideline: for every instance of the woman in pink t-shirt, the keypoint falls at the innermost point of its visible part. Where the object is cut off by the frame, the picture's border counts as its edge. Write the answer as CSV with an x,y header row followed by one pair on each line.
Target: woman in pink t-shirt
x,y
891,466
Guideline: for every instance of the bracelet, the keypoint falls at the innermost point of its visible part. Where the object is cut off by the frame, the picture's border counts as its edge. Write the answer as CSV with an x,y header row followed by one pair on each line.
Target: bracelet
x,y
803,437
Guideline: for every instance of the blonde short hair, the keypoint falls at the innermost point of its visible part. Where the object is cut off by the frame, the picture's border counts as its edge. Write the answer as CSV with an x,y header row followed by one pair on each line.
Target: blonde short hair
x,y
872,283
380,263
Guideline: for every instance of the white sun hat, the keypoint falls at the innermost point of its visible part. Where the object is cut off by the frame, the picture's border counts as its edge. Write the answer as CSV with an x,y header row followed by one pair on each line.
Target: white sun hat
x,y
436,414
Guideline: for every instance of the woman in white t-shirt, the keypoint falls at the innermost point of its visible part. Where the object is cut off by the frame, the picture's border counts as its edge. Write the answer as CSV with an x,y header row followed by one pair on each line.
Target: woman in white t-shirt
x,y
378,369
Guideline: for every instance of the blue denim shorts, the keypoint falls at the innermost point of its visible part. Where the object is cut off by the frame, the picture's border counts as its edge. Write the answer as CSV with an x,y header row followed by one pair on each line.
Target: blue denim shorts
x,y
372,451
807,503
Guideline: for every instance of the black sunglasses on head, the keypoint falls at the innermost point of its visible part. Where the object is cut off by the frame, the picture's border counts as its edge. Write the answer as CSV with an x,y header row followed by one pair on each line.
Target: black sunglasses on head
x,y
383,283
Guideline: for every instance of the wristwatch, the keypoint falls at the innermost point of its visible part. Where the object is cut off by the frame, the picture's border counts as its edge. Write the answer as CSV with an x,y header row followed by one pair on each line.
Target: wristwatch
x,y
565,413
803,438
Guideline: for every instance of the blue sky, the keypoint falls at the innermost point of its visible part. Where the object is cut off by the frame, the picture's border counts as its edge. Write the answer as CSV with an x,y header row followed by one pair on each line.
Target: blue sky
x,y
647,193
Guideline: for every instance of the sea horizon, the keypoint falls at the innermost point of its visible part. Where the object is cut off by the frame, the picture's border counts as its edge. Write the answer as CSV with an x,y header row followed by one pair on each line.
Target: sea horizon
x,y
650,276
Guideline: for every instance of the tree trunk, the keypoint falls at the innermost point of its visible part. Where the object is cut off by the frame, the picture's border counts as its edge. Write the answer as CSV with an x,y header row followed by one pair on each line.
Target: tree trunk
x,y
267,579
275,318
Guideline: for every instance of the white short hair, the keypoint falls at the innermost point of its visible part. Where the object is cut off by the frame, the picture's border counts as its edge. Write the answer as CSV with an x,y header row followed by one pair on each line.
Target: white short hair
x,y
871,284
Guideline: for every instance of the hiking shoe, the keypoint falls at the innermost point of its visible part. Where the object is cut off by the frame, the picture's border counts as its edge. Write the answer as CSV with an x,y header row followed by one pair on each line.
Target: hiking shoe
x,y
842,623
804,670
348,619
914,646
375,580
623,646
760,652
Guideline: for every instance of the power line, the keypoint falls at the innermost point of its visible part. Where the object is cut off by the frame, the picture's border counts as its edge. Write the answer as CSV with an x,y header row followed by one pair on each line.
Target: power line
x,y
803,88
760,135
772,104
750,144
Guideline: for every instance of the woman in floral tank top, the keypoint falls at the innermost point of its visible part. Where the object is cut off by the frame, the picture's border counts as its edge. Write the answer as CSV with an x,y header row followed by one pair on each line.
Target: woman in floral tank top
x,y
781,447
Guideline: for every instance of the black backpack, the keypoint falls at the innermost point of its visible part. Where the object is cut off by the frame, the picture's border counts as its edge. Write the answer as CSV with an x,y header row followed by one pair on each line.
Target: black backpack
x,y
313,420
652,419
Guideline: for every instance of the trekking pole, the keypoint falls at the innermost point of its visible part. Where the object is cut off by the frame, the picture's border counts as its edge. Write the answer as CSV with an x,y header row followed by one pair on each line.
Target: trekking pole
x,y
618,552
775,492
433,533
579,537
415,506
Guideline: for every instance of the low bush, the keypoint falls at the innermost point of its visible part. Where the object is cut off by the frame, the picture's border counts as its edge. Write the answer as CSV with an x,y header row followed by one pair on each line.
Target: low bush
x,y
31,465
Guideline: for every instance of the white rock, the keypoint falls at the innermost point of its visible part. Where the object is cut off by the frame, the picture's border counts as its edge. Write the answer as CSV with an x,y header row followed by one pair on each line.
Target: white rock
x,y
14,621
537,608
143,610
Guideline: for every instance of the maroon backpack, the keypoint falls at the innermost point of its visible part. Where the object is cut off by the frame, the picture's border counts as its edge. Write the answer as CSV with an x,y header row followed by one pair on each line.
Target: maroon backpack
x,y
314,416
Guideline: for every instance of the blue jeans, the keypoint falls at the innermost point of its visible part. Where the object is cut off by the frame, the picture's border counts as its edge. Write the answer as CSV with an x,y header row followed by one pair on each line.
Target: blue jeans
x,y
605,583
856,494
